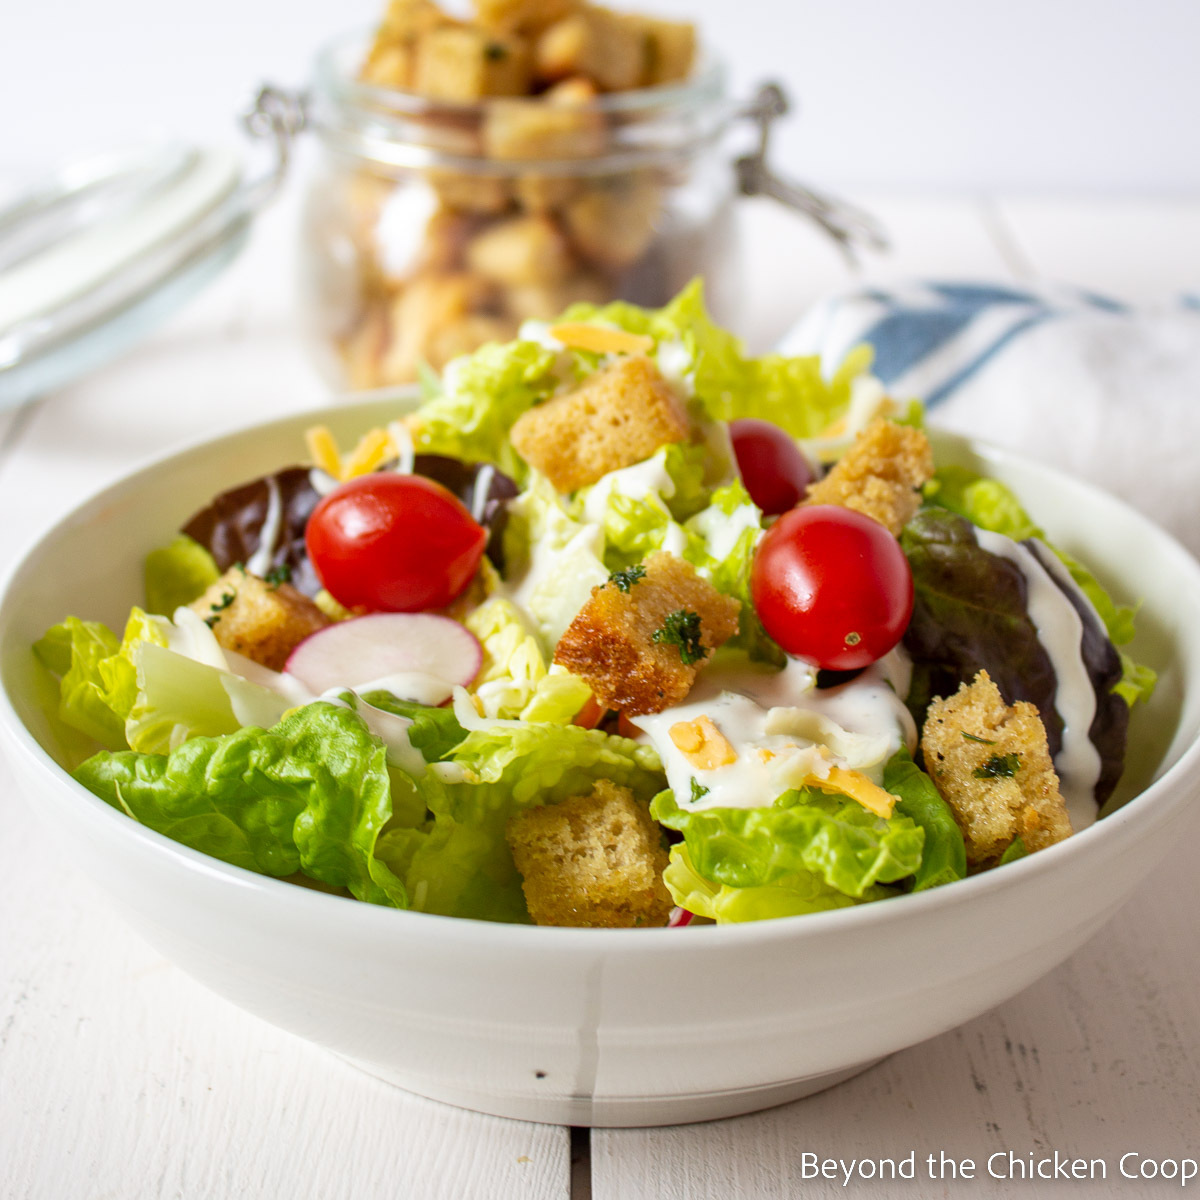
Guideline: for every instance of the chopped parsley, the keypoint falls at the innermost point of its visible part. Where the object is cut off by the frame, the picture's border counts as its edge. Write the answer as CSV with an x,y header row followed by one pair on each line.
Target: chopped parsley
x,y
280,574
972,738
218,607
999,766
627,578
699,791
494,52
682,628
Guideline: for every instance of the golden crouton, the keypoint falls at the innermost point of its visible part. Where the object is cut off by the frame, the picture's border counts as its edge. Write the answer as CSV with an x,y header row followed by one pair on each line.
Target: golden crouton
x,y
553,126
462,65
391,61
425,308
519,251
543,301
522,15
643,636
992,766
607,47
614,225
670,50
618,416
880,475
264,621
592,861
474,193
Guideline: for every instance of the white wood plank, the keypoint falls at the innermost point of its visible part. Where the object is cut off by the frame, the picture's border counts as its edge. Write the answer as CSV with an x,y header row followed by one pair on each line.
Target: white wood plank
x,y
1137,250
1098,1059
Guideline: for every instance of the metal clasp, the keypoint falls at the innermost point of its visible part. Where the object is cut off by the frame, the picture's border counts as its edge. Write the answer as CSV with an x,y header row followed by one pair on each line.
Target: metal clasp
x,y
851,227
279,116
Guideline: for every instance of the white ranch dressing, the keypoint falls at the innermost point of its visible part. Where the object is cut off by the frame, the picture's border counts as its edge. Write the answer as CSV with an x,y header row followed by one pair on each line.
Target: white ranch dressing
x,y
259,563
675,364
721,531
321,482
1060,631
783,731
643,479
401,439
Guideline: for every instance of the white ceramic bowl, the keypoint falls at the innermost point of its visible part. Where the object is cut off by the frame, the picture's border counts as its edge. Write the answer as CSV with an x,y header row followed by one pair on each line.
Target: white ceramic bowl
x,y
605,1027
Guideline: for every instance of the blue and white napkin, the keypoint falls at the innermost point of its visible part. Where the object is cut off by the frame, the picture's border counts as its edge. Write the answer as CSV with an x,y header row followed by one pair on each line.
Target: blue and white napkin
x,y
1090,385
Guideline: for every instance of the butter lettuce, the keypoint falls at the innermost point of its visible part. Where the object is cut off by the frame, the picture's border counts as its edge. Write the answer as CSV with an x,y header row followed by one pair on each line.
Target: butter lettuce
x,y
792,895
944,855
805,830
311,794
177,573
482,395
790,391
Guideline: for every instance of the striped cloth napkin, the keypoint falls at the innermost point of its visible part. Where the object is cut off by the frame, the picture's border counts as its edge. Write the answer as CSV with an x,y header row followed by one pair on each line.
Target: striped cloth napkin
x,y
1083,382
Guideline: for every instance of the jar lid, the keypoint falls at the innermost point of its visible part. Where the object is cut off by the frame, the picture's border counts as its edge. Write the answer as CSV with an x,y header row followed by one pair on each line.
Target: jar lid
x,y
104,249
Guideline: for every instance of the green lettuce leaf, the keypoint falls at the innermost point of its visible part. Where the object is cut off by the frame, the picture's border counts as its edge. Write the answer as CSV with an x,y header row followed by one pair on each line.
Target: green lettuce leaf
x,y
98,685
1015,849
461,865
832,837
791,895
434,731
944,856
310,794
482,395
791,392
177,573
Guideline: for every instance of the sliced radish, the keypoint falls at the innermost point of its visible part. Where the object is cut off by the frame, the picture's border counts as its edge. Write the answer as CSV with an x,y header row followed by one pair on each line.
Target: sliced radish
x,y
679,917
415,656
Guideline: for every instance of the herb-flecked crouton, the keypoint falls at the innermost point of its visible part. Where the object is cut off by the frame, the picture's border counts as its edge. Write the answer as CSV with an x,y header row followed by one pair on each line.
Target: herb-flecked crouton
x,y
643,636
992,766
618,416
592,860
462,65
880,475
263,620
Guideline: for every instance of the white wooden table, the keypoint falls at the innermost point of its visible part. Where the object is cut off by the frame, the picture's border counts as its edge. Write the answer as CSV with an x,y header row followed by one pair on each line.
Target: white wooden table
x,y
121,1078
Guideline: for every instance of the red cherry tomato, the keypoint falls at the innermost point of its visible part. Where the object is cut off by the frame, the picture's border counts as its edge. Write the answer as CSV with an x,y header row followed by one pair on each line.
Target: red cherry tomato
x,y
832,586
773,469
396,543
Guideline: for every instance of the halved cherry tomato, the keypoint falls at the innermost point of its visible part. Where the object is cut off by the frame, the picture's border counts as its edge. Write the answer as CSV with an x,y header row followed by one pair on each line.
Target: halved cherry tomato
x,y
773,469
832,586
394,543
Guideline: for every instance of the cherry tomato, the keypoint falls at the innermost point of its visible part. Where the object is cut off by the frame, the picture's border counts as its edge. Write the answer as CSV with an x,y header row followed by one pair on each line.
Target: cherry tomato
x,y
773,469
832,586
396,543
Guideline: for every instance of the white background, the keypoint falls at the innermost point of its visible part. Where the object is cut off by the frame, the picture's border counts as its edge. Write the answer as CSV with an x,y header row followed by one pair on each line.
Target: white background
x,y
1063,96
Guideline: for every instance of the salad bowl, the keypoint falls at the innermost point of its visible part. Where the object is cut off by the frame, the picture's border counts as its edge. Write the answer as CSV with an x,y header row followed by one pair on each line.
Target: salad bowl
x,y
606,1027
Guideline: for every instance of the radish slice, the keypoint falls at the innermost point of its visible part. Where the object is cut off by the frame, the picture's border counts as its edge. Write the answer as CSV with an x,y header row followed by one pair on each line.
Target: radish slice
x,y
415,656
679,917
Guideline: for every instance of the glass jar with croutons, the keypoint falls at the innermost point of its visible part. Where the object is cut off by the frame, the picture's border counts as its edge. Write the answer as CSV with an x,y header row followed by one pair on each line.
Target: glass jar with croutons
x,y
479,173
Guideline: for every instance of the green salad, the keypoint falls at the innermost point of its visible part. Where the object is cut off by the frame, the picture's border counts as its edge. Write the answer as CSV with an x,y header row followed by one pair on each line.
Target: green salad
x,y
621,627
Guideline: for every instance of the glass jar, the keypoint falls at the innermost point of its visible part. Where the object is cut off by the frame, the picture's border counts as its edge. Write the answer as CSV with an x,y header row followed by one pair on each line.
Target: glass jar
x,y
432,228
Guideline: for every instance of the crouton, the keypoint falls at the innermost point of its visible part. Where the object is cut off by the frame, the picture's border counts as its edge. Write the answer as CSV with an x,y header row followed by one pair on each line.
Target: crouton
x,y
992,766
618,416
593,860
519,251
880,475
544,129
391,61
670,50
522,15
461,65
607,47
264,621
425,308
642,637
474,193
614,225
543,301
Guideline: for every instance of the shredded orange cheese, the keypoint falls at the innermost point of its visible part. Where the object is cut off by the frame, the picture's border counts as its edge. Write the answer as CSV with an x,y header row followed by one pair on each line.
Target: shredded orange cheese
x,y
856,786
600,340
702,744
322,449
373,448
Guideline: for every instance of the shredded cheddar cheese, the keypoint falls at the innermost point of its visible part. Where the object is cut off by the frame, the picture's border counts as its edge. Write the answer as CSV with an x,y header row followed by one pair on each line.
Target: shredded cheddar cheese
x,y
856,786
702,744
322,449
372,449
599,340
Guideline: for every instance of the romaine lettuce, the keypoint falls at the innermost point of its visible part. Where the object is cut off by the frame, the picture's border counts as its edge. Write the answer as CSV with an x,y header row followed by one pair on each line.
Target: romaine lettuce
x,y
177,573
944,855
